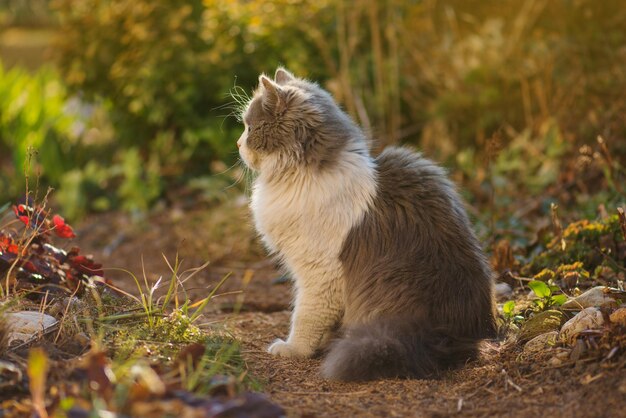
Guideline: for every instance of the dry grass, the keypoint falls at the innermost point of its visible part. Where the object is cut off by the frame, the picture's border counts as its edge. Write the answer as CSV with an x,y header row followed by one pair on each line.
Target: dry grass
x,y
4,334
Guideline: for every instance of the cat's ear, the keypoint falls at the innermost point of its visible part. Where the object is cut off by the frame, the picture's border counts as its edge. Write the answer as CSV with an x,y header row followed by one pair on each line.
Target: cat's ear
x,y
283,76
273,96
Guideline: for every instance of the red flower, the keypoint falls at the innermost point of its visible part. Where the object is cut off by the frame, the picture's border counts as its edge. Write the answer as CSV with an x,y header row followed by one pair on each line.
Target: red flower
x,y
61,229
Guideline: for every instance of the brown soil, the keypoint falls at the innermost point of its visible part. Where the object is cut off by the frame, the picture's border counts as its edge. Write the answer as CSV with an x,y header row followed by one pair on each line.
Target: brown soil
x,y
501,383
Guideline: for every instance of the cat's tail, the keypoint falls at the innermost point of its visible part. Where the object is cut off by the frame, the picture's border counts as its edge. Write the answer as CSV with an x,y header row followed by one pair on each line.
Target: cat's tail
x,y
388,348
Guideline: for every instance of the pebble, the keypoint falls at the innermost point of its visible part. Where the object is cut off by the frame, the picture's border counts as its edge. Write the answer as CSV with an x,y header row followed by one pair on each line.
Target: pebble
x,y
82,339
541,323
622,386
599,296
554,361
27,325
503,290
588,318
619,317
10,375
541,342
563,353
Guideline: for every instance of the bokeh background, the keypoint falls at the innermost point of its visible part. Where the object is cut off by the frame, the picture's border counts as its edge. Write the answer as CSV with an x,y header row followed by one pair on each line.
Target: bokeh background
x,y
124,104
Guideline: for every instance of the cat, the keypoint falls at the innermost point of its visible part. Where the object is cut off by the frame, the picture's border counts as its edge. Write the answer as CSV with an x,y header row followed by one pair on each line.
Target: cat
x,y
380,250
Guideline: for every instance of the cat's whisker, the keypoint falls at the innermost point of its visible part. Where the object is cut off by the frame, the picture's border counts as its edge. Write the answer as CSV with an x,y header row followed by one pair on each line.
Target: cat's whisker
x,y
226,170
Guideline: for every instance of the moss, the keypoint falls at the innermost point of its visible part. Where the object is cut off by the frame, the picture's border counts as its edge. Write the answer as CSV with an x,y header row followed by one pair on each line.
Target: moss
x,y
544,275
541,323
176,328
583,241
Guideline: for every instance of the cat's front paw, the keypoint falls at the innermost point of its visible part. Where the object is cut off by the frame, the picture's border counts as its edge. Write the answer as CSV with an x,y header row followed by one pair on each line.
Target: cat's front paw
x,y
289,350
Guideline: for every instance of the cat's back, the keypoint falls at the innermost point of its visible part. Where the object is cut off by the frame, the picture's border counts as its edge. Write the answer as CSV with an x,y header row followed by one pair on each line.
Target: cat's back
x,y
410,182
416,245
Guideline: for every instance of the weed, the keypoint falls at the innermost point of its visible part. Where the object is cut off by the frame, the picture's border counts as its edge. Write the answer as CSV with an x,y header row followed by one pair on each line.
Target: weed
x,y
546,299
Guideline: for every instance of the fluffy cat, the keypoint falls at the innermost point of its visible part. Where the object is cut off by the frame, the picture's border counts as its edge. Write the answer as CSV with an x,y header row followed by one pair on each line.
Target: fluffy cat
x,y
380,249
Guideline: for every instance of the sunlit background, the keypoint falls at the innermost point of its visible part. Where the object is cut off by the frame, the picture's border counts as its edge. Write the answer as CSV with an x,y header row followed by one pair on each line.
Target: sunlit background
x,y
121,104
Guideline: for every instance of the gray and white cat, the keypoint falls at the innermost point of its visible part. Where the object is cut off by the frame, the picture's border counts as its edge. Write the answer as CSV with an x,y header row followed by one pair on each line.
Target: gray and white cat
x,y
381,250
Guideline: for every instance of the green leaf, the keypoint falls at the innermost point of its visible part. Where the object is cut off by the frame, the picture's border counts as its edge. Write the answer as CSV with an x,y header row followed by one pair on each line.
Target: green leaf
x,y
559,300
4,207
540,289
508,308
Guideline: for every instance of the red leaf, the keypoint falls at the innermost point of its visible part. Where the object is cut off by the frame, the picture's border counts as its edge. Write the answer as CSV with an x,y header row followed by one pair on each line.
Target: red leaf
x,y
85,265
61,229
31,217
7,244
22,214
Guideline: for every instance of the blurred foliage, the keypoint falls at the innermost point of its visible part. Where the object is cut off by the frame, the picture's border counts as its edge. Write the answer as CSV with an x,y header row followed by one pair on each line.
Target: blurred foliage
x,y
589,243
25,13
506,91
34,114
50,138
168,66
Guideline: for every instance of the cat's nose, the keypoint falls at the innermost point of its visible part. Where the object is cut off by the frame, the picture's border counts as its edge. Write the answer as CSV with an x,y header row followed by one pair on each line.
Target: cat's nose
x,y
239,144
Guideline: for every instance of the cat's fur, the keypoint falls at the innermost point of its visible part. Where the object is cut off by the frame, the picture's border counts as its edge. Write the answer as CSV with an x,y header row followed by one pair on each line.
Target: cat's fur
x,y
380,249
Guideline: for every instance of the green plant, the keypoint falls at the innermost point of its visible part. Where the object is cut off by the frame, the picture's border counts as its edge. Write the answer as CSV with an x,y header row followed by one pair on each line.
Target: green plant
x,y
156,309
167,67
585,245
508,312
34,115
546,298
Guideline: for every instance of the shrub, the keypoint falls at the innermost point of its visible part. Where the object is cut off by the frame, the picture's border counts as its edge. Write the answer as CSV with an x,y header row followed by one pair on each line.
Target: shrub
x,y
461,79
167,68
34,114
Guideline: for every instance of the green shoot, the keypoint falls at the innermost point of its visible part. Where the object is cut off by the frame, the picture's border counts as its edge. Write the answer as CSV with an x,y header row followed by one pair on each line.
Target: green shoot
x,y
546,298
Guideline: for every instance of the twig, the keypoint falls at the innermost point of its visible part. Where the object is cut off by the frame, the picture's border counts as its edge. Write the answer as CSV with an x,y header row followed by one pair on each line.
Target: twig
x,y
509,381
556,223
360,392
479,389
622,221
67,308
135,315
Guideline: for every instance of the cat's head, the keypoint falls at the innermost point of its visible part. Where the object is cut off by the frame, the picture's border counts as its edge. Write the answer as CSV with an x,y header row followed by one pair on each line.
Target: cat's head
x,y
292,123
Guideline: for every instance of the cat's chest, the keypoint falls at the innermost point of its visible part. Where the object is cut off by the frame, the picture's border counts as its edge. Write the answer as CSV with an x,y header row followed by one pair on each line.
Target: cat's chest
x,y
291,221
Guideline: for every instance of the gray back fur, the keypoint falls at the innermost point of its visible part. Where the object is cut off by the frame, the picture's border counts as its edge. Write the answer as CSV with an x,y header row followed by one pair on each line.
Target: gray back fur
x,y
415,252
418,288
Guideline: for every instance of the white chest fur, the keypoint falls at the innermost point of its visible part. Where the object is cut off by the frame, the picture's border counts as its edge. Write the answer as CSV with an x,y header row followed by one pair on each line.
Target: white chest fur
x,y
305,219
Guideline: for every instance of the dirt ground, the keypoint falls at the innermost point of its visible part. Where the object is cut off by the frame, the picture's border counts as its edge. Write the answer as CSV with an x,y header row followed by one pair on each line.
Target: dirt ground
x,y
502,383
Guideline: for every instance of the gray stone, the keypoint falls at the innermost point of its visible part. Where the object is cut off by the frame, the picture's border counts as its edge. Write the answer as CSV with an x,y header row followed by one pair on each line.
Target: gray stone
x,y
588,318
27,326
541,323
599,296
541,342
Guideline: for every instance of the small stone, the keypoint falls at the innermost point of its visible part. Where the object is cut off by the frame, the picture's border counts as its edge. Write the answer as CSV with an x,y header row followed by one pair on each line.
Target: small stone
x,y
619,317
599,296
10,375
26,326
541,342
578,350
503,290
554,361
563,353
541,323
588,318
82,339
